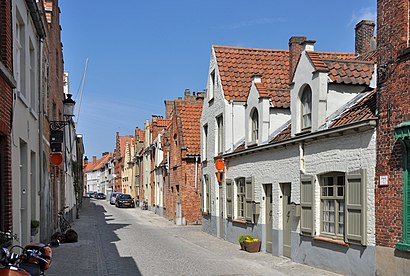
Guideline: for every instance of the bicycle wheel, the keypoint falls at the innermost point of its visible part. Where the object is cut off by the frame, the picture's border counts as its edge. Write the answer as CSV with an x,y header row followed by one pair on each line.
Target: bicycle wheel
x,y
64,226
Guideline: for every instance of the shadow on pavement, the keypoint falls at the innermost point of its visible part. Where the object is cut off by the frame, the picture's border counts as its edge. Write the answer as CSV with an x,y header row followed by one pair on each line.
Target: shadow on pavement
x,y
95,253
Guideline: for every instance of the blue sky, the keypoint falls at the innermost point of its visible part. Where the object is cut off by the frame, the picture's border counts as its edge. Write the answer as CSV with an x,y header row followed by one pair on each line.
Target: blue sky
x,y
144,52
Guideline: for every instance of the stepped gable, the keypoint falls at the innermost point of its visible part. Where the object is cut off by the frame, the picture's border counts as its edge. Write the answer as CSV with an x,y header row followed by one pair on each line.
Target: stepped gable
x,y
237,66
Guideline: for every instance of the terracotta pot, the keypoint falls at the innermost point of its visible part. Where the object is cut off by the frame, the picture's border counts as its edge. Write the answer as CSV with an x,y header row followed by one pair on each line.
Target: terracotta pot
x,y
252,246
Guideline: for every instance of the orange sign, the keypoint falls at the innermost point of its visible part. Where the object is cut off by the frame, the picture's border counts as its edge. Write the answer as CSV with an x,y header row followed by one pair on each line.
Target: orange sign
x,y
219,164
56,158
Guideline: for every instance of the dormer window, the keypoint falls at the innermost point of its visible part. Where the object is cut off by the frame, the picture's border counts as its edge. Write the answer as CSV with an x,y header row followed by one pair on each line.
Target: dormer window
x,y
306,112
254,126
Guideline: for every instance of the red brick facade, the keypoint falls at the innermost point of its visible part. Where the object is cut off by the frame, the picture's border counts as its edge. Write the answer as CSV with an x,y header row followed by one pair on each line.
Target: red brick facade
x,y
184,159
394,108
6,94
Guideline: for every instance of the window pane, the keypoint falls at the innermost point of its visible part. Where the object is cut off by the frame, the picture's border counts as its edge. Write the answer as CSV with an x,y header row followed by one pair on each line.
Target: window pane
x,y
340,180
340,191
330,191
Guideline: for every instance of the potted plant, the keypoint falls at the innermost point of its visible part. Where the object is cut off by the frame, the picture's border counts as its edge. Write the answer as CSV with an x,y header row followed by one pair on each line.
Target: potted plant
x,y
35,224
252,245
242,239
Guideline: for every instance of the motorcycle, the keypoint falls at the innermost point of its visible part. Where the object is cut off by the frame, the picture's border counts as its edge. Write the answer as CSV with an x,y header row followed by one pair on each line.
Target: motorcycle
x,y
33,260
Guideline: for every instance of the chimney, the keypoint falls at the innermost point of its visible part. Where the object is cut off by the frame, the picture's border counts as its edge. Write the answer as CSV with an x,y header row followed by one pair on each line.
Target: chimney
x,y
169,106
94,160
295,49
364,37
85,160
187,93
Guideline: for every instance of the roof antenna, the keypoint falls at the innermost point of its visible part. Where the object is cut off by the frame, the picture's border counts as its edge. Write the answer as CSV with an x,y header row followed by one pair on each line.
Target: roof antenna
x,y
81,91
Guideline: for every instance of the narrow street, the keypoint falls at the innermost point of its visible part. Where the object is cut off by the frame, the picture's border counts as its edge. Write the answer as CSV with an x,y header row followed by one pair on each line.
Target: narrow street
x,y
116,241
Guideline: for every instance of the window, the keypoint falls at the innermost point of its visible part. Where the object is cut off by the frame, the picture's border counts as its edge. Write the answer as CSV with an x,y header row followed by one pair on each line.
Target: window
x,y
32,69
332,196
254,125
211,91
205,142
342,206
306,113
220,134
240,187
20,55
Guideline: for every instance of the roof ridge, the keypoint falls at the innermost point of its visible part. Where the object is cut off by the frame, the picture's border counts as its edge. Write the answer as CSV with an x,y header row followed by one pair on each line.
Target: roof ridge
x,y
250,48
349,60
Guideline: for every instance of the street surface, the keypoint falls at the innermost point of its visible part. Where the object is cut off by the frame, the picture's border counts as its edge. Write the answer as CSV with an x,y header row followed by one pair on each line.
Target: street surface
x,y
131,241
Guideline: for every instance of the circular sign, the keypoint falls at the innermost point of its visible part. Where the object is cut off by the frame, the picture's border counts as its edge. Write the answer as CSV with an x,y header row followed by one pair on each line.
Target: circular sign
x,y
219,164
56,158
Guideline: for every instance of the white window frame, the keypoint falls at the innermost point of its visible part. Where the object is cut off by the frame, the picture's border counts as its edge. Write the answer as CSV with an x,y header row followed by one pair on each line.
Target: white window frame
x,y
219,134
205,142
240,212
332,205
306,108
212,84
254,119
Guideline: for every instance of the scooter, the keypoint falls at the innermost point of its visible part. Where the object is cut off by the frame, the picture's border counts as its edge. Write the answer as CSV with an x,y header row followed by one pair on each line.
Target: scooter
x,y
33,260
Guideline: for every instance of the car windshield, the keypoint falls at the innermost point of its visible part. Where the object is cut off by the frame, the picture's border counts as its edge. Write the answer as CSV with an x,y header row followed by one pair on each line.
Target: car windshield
x,y
125,197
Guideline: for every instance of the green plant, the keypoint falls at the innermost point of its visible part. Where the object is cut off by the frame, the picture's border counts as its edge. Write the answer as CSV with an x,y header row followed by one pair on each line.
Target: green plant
x,y
243,238
35,223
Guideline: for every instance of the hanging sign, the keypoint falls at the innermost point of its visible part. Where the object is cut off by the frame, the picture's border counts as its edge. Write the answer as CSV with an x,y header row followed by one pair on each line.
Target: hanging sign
x,y
56,158
219,165
384,180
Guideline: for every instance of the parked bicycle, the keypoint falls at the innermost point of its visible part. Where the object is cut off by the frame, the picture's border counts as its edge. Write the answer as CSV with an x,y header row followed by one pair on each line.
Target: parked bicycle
x,y
63,223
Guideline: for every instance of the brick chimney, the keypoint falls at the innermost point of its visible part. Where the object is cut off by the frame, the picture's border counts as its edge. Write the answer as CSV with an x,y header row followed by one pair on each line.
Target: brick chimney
x,y
94,160
85,161
169,106
295,49
364,37
187,93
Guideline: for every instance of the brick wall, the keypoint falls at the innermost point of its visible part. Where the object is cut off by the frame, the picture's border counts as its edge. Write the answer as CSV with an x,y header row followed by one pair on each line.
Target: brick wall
x,y
6,93
394,101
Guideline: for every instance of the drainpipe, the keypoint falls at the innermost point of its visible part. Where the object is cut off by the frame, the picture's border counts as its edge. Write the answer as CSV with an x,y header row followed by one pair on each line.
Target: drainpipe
x,y
43,204
196,173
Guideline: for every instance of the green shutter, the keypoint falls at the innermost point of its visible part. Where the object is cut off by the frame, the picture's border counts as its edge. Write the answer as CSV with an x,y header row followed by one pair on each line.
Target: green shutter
x,y
229,195
355,201
306,204
202,193
249,198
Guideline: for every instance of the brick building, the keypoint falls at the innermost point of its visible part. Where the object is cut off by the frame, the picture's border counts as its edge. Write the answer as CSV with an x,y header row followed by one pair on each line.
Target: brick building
x,y
119,155
393,143
7,84
183,143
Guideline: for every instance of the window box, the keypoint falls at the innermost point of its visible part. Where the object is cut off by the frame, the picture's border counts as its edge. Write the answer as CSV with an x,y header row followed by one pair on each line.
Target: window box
x,y
403,246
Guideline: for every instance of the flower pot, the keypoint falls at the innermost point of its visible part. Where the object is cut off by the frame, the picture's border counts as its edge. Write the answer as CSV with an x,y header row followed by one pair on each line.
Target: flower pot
x,y
252,246
242,245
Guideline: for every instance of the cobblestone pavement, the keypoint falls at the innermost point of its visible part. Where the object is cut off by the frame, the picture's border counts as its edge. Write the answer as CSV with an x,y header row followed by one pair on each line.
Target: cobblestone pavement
x,y
116,241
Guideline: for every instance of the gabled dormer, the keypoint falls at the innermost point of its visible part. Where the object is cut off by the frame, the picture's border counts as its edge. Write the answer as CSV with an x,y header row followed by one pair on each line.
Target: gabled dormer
x,y
322,83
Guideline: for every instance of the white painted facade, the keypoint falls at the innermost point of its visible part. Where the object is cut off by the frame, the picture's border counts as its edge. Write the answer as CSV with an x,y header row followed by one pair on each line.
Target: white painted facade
x,y
146,164
25,146
315,153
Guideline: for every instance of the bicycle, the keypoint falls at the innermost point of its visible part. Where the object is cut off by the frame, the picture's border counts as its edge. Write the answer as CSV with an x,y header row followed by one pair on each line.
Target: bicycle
x,y
63,223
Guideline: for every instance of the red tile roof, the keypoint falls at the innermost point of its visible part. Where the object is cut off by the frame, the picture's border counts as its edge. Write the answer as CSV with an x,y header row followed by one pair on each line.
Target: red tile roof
x,y
238,65
343,67
364,109
100,163
188,121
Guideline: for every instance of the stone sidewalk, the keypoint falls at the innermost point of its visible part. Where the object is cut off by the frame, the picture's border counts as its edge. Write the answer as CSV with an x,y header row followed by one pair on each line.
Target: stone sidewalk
x,y
89,255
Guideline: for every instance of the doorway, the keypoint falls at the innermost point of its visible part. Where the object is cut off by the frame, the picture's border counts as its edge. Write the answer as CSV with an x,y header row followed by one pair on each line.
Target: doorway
x,y
286,219
221,214
268,217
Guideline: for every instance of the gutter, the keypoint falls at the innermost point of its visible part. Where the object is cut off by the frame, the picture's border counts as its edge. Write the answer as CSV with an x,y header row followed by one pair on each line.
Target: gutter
x,y
35,15
366,124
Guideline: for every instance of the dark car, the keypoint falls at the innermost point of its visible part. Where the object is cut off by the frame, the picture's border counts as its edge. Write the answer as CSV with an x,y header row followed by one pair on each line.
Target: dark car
x,y
93,194
124,200
113,197
100,196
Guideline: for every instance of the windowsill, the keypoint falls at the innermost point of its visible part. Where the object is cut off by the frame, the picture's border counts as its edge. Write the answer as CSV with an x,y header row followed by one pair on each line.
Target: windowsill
x,y
252,144
33,113
304,131
403,246
331,240
240,221
22,98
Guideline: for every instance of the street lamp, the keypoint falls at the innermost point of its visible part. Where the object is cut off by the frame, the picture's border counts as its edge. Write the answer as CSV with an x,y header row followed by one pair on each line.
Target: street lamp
x,y
57,131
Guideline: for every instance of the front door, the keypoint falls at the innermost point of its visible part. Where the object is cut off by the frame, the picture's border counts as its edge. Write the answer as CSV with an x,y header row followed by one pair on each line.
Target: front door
x,y
286,219
221,214
268,217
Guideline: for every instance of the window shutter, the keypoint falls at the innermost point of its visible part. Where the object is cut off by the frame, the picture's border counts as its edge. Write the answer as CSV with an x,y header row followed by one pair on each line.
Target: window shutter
x,y
249,198
202,193
306,204
356,207
229,195
208,195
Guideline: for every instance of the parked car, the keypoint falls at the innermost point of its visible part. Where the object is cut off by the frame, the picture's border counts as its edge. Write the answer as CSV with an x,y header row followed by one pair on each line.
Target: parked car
x,y
113,197
87,194
124,200
100,196
93,194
